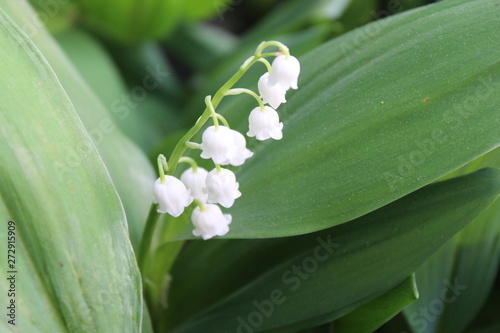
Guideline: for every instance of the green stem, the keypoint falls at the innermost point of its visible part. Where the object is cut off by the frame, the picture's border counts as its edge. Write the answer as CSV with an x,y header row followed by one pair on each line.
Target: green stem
x,y
181,147
162,165
199,204
147,237
282,47
185,159
213,114
265,62
239,91
222,119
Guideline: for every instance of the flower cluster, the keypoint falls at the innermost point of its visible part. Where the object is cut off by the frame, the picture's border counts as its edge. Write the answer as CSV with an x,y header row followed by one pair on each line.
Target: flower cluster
x,y
225,146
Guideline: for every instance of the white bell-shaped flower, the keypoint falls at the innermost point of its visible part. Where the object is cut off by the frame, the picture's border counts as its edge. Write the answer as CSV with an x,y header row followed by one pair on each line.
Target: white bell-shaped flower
x,y
273,95
195,183
264,124
210,221
224,146
285,72
222,187
172,195
242,152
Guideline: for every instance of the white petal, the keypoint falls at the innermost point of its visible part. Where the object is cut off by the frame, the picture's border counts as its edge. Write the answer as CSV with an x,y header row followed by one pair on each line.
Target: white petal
x,y
210,221
195,183
264,124
241,151
218,144
285,72
222,187
273,95
172,196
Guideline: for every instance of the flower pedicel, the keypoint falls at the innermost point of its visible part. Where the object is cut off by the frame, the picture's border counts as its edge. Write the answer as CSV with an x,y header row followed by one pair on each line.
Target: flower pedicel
x,y
225,146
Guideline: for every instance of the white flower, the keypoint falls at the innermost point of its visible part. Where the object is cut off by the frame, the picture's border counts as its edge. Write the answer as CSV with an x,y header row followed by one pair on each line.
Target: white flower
x,y
222,187
242,152
285,72
172,196
195,183
210,221
224,146
273,95
265,124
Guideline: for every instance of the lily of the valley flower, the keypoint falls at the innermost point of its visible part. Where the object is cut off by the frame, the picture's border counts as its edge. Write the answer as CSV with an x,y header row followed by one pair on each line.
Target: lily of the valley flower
x,y
209,221
273,95
242,152
172,195
285,72
195,183
222,187
224,146
264,124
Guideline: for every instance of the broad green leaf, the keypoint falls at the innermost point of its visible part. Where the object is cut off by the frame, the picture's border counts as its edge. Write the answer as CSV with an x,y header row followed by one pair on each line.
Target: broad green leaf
x,y
380,112
77,271
131,20
471,258
370,316
148,118
327,328
323,275
131,172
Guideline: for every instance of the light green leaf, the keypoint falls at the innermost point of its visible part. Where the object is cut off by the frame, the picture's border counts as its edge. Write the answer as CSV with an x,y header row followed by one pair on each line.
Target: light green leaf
x,y
360,133
370,316
312,282
129,168
76,271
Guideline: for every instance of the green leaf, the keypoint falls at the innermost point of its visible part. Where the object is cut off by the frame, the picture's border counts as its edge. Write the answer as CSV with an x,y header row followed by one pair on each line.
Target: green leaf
x,y
76,270
470,259
379,113
129,168
313,282
370,316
